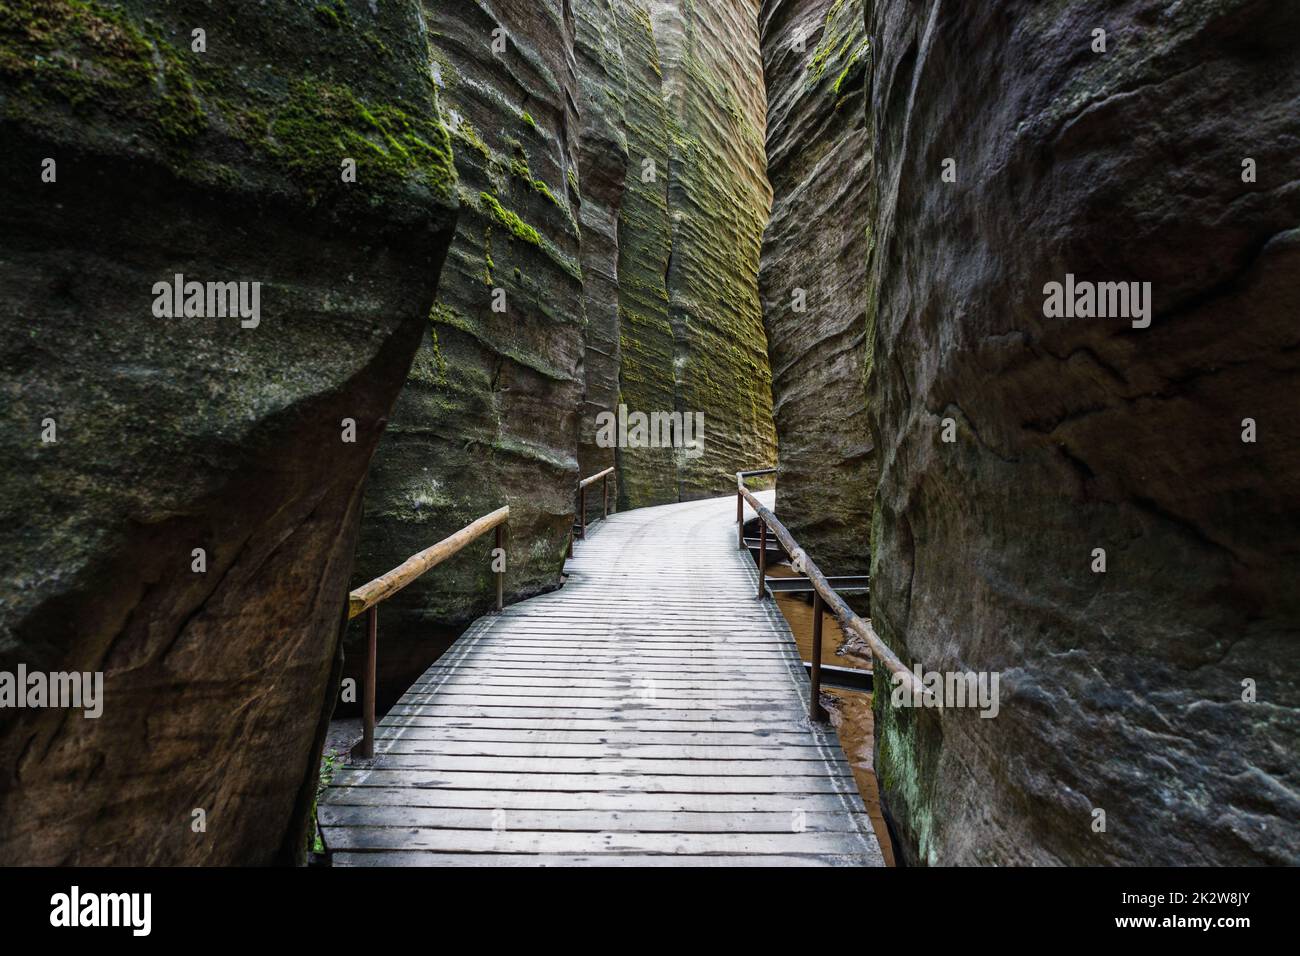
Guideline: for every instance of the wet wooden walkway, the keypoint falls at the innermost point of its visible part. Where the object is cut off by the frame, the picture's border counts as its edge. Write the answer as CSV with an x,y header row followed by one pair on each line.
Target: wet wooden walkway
x,y
650,712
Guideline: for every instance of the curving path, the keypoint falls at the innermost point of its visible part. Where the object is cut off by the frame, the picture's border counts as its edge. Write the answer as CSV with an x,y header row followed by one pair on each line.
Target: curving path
x,y
650,712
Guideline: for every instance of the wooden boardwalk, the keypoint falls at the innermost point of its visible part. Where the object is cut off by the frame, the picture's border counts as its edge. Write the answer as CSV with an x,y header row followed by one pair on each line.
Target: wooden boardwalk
x,y
650,712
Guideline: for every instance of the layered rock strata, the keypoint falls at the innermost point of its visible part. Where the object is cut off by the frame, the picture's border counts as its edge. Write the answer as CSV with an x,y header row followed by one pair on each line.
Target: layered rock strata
x,y
813,275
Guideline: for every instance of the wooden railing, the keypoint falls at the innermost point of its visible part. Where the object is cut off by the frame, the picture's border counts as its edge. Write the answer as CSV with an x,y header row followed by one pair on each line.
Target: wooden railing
x,y
603,478
824,595
367,598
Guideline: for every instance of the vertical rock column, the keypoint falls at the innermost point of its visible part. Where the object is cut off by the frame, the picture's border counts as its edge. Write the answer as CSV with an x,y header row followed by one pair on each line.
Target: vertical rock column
x,y
647,476
719,199
813,274
180,497
1099,507
602,165
488,416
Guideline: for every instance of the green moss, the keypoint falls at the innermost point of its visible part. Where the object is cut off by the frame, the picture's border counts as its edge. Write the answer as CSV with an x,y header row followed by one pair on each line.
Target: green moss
x,y
329,16
519,169
468,136
518,228
378,46
321,123
488,264
836,41
573,182
437,313
855,67
91,56
528,120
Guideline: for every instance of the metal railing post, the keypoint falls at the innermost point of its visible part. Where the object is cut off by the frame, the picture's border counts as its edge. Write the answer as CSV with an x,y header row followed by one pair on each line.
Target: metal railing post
x,y
604,489
815,709
762,556
501,575
368,686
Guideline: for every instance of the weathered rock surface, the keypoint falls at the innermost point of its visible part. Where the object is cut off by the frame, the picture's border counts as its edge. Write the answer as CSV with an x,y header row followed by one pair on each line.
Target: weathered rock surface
x,y
182,433
719,197
813,275
489,414
560,210
647,373
602,165
1120,691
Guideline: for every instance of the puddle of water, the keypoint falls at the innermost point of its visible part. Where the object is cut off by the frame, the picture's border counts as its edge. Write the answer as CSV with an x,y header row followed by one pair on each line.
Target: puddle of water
x,y
850,710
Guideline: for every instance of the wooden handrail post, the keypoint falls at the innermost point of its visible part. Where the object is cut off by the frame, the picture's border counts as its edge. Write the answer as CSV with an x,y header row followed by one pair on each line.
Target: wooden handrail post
x,y
604,489
762,556
368,685
582,513
815,709
501,575
740,521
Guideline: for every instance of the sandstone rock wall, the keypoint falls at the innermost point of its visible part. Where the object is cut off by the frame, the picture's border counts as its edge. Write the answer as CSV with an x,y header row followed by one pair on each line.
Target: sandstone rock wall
x,y
647,376
1121,691
602,165
719,197
564,145
489,414
183,433
813,276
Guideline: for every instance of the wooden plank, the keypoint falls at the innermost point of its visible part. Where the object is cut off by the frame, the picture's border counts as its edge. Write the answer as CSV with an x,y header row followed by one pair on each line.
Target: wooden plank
x,y
511,841
445,734
708,712
622,801
638,783
648,690
742,750
431,858
700,719
612,821
611,765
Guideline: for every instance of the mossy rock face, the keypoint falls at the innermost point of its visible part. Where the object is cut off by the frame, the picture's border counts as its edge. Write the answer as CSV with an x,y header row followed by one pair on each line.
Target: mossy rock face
x,y
603,170
128,79
489,413
719,199
813,276
646,376
1128,691
177,434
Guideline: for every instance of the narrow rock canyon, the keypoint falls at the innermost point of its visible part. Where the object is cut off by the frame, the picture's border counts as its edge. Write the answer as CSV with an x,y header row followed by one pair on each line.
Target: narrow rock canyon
x,y
1005,292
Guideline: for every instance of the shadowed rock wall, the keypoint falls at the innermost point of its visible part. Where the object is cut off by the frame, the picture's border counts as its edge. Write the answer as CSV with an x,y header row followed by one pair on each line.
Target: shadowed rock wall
x,y
174,434
1121,691
813,276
